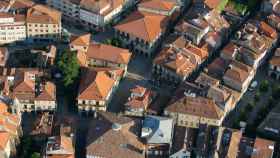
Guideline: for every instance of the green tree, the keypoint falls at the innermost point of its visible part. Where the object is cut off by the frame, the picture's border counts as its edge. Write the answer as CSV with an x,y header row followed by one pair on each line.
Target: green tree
x,y
69,66
35,155
113,41
276,91
264,86
257,96
249,107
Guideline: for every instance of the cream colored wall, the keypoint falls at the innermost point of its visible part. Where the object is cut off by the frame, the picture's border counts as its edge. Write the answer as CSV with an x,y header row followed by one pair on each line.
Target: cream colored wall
x,y
44,105
12,32
49,31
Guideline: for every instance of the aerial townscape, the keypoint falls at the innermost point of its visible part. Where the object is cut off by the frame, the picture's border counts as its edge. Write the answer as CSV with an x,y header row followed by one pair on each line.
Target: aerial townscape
x,y
139,79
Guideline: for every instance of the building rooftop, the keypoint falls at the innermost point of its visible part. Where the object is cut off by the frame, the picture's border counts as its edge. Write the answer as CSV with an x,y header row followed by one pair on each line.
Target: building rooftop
x,y
197,106
82,40
143,25
263,148
181,62
157,130
217,68
96,83
207,81
60,146
43,15
140,97
108,53
114,136
238,72
165,5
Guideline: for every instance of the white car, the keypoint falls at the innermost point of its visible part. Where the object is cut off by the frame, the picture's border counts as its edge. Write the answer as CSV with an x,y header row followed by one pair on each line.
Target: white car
x,y
253,85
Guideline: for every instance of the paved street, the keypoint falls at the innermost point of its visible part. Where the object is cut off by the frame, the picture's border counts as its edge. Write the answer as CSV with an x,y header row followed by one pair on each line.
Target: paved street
x,y
248,97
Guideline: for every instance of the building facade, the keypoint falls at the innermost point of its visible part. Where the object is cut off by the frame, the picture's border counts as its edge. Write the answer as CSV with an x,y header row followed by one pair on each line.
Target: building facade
x,y
13,28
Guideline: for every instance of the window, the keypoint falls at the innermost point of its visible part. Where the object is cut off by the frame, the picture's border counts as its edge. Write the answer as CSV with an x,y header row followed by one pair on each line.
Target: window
x,y
25,106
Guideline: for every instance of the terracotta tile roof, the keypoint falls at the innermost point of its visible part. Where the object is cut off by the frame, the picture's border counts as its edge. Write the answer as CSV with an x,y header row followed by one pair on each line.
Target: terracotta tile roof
x,y
96,83
218,94
48,92
183,63
217,68
212,4
143,25
22,4
43,14
113,136
263,148
3,107
138,89
82,58
229,50
3,55
143,98
234,144
108,53
275,61
197,106
83,40
62,143
157,4
5,137
24,82
186,27
268,30
181,43
10,123
237,75
205,80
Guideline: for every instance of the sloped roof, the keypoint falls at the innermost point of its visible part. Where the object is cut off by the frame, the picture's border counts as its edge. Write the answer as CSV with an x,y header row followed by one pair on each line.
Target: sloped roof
x,y
105,141
275,61
197,106
234,144
48,92
158,4
24,81
5,137
43,14
263,148
97,83
83,40
146,26
108,53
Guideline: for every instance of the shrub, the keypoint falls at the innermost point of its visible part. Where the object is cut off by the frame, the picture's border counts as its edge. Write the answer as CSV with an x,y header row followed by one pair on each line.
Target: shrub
x,y
264,86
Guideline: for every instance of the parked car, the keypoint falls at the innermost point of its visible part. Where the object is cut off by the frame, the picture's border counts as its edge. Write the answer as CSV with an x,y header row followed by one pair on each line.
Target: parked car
x,y
253,85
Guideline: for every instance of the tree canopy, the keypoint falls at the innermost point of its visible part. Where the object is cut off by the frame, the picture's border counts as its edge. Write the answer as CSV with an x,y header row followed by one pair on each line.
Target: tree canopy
x,y
69,66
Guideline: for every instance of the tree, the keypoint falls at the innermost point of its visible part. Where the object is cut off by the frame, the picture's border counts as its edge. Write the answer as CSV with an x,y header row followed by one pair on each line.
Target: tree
x,y
113,41
257,96
69,66
264,86
249,107
35,155
276,92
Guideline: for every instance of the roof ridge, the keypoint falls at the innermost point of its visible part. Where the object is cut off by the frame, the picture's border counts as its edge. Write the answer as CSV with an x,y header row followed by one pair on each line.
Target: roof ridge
x,y
145,25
